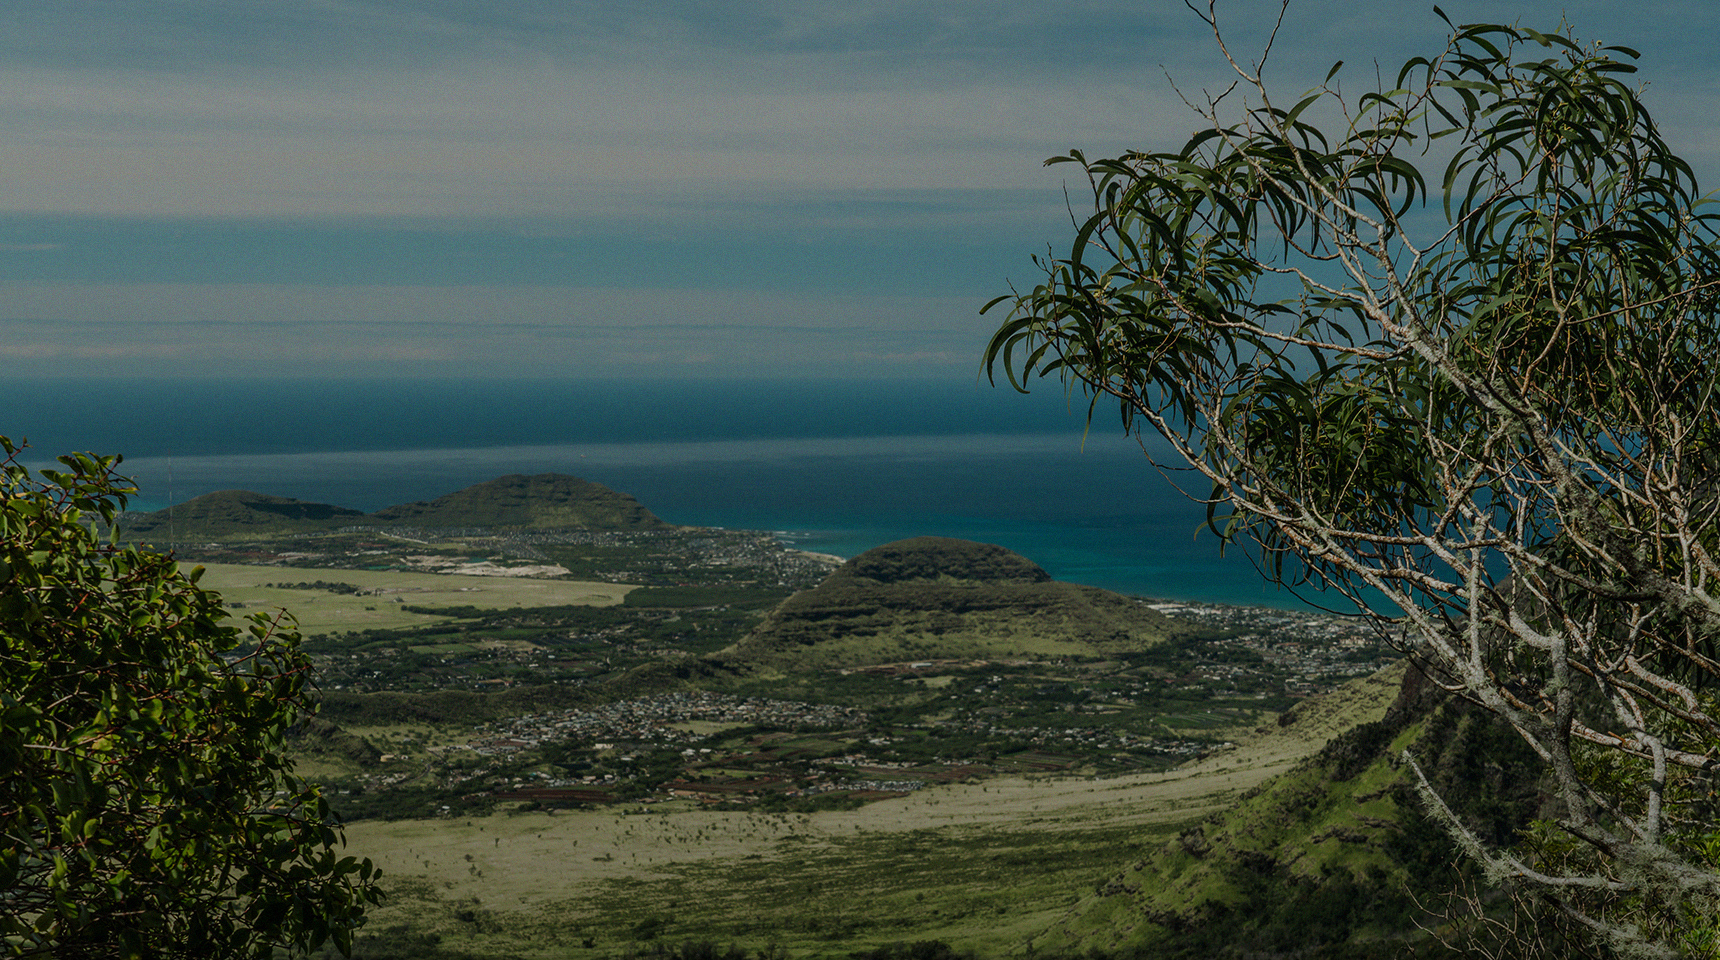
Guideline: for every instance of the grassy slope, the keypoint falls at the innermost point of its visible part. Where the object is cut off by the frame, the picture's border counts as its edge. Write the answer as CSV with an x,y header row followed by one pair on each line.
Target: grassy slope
x,y
1304,828
1332,856
1041,622
985,866
822,885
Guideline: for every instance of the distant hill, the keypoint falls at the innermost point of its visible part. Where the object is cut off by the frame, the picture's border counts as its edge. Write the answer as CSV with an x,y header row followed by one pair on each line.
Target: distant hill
x,y
237,513
941,560
547,501
941,598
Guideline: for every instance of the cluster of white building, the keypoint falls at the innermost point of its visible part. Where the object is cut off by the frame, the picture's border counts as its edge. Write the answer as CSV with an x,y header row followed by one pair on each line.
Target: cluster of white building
x,y
657,719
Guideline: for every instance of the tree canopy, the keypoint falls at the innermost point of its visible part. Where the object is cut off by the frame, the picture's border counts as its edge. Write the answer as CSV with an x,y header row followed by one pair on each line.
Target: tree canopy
x,y
1448,349
148,808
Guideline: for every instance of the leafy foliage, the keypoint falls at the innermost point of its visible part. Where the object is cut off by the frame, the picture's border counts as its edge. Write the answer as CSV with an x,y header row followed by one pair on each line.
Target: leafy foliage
x,y
1452,354
147,808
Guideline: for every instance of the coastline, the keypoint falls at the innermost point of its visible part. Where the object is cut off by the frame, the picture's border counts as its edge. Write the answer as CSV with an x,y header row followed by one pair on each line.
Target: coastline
x,y
1099,516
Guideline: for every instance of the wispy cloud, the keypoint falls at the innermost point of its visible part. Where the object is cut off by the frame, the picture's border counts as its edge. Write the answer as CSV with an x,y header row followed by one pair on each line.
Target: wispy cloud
x,y
272,108
196,330
235,162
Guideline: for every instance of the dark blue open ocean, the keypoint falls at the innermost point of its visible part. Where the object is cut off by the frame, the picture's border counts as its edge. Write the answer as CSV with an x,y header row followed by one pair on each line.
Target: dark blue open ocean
x,y
833,467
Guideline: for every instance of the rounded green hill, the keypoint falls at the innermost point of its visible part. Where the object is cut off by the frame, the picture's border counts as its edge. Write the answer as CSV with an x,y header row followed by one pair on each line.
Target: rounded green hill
x,y
936,598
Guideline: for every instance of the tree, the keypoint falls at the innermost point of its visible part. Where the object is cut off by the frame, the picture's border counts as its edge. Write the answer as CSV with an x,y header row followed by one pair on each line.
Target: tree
x,y
1450,353
147,807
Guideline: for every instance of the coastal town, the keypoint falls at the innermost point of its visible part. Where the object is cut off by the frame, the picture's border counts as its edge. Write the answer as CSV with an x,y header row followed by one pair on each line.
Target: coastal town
x,y
637,687
643,557
973,719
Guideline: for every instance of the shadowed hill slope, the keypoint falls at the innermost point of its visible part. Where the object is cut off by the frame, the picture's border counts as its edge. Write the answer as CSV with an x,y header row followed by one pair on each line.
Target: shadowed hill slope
x,y
1334,858
230,513
544,501
940,598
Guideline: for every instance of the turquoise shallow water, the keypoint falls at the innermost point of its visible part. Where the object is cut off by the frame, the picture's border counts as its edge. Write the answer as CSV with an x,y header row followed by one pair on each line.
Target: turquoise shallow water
x,y
836,470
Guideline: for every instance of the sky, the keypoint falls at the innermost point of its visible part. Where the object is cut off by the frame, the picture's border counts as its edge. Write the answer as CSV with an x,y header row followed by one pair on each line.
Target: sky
x,y
664,189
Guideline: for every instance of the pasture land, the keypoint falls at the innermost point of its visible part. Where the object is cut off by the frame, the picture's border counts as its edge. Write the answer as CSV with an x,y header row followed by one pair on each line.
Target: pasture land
x,y
982,866
322,611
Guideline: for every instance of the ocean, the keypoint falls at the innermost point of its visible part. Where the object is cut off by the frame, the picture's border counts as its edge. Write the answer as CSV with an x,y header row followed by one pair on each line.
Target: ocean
x,y
834,467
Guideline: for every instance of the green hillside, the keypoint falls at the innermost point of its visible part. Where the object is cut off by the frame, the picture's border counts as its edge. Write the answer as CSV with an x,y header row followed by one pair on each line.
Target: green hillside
x,y
545,501
941,598
237,513
1332,859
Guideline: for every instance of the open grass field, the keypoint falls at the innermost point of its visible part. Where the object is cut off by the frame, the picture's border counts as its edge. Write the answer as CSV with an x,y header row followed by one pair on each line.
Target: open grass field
x,y
319,611
982,866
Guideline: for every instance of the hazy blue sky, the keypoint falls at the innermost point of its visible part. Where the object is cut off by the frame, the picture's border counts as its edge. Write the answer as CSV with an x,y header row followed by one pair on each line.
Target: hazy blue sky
x,y
674,188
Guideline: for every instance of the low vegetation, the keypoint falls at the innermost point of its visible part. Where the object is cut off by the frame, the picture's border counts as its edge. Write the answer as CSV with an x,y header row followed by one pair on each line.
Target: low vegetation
x,y
936,752
1331,857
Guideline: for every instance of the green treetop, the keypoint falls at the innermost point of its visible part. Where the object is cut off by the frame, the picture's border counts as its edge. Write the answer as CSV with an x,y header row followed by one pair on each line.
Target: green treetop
x,y
147,807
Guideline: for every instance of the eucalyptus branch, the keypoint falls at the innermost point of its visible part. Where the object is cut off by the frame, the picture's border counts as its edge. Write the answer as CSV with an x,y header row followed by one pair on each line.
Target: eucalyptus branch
x,y
1506,429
